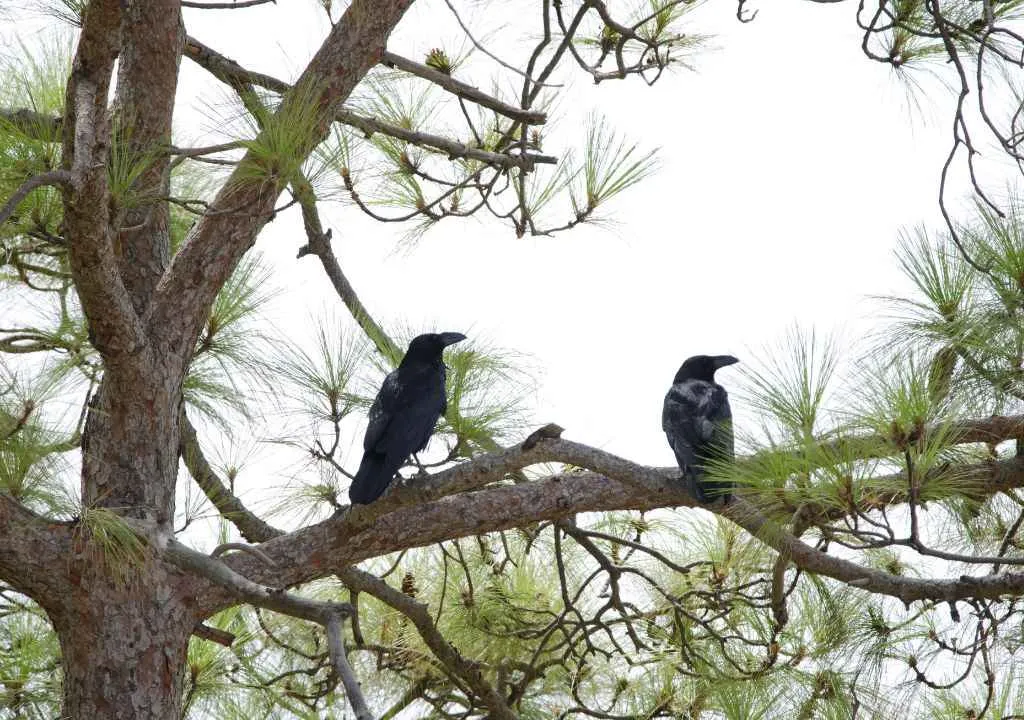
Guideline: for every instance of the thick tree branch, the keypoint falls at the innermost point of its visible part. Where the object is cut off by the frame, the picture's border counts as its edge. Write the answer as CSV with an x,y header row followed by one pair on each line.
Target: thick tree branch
x,y
33,553
420,515
243,206
116,330
462,90
147,80
428,511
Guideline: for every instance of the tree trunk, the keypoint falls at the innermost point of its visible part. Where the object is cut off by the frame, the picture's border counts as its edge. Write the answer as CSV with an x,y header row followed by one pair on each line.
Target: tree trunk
x,y
124,650
124,628
130,445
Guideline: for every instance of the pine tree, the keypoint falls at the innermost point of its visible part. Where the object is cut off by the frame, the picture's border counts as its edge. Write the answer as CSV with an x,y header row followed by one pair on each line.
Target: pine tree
x,y
868,566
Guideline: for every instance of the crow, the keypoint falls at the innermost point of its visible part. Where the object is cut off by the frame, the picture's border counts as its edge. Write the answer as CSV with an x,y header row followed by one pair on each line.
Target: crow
x,y
403,415
698,422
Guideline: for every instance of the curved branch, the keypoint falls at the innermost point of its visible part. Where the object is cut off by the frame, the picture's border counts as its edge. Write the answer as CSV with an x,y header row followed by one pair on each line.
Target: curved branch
x,y
245,590
54,178
319,244
228,505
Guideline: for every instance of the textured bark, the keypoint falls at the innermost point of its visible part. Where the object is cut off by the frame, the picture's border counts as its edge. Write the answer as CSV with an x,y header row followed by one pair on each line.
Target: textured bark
x,y
33,552
124,644
114,327
147,80
130,444
124,650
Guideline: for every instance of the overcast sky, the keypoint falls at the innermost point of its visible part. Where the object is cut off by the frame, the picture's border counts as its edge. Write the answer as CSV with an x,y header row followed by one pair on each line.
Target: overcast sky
x,y
789,164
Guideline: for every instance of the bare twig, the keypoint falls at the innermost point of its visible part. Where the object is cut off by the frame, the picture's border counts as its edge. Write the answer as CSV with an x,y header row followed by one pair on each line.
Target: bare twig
x,y
242,547
483,48
221,637
336,647
53,178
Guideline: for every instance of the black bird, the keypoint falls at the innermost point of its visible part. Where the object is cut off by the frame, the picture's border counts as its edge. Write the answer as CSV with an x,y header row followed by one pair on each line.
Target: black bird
x,y
403,415
698,422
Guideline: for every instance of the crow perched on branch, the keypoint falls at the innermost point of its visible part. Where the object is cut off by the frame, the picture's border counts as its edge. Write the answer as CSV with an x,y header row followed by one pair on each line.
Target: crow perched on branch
x,y
698,422
403,415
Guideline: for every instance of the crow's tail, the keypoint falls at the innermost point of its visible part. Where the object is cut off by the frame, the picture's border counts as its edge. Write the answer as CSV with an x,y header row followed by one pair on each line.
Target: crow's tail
x,y
706,489
371,480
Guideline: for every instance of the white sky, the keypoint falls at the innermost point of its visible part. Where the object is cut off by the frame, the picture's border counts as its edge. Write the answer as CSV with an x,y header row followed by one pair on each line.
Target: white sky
x,y
789,162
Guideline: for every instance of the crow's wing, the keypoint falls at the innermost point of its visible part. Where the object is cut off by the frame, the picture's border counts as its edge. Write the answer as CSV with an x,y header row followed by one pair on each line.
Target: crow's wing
x,y
403,416
698,422
409,430
388,398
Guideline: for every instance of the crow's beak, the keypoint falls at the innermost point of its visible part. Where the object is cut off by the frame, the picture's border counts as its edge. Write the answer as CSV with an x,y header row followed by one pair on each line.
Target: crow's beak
x,y
722,361
450,338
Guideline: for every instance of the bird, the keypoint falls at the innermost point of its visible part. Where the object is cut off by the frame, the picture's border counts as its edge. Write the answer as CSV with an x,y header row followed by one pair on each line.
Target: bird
x,y
697,420
403,415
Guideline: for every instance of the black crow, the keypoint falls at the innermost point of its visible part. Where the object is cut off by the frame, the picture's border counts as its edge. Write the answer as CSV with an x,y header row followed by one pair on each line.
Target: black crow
x,y
403,415
698,422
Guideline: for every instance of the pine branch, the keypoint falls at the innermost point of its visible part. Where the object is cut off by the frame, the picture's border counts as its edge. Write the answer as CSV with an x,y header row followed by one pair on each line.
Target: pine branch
x,y
244,205
33,551
31,123
992,430
462,90
244,590
233,74
327,614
